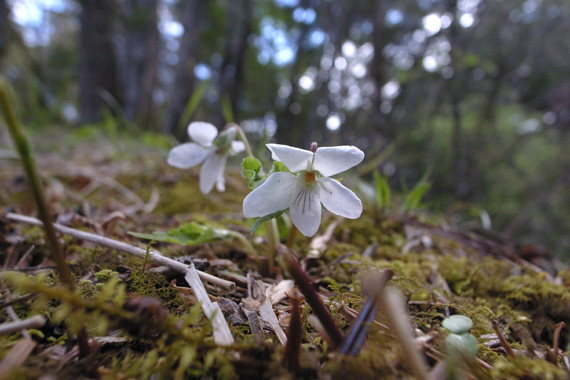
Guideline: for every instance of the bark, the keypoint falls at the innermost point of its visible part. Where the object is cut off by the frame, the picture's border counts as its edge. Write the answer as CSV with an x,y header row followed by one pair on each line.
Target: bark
x,y
184,80
141,50
290,130
4,26
378,67
232,68
98,77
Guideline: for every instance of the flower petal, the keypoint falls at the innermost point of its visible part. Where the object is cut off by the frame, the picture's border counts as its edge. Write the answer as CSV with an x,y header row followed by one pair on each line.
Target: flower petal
x,y
333,160
294,158
305,210
212,169
273,195
186,155
221,183
202,133
338,199
237,147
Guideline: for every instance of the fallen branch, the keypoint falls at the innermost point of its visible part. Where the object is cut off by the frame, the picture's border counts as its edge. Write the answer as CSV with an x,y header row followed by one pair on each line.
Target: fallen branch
x,y
29,323
154,255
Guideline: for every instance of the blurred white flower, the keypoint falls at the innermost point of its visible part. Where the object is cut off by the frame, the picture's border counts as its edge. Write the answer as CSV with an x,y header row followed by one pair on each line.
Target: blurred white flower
x,y
309,185
207,149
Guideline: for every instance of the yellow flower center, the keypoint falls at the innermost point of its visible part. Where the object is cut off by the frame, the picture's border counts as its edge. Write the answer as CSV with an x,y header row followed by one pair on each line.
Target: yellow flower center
x,y
309,177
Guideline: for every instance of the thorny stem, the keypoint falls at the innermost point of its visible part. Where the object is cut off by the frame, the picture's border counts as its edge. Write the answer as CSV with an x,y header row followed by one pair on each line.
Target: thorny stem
x,y
312,297
243,138
24,149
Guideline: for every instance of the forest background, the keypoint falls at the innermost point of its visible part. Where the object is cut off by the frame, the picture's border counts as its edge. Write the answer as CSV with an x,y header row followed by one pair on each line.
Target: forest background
x,y
472,94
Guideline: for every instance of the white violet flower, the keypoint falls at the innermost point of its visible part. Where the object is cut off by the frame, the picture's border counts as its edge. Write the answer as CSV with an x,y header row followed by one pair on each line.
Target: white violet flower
x,y
207,149
307,186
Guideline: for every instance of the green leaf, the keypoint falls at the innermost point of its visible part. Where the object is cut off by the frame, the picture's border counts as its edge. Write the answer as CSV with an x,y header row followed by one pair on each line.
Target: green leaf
x,y
382,190
252,171
265,218
187,234
457,324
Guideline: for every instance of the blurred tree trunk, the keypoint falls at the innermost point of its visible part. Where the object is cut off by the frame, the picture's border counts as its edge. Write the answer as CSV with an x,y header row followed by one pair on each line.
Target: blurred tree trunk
x,y
232,68
141,55
184,79
380,39
290,131
4,26
98,76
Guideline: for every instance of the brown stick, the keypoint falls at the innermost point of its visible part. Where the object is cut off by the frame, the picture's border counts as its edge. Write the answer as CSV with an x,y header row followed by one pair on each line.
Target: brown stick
x,y
503,341
306,287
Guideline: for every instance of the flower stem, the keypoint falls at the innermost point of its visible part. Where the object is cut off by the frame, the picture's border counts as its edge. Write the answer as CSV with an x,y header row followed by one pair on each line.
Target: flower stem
x,y
246,244
291,237
273,239
243,138
20,141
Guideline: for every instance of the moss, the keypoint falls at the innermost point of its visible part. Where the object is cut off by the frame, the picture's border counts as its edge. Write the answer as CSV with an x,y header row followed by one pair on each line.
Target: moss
x,y
524,368
169,337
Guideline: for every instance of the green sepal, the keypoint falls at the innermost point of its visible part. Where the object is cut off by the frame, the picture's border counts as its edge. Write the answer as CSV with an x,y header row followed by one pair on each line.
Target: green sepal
x,y
252,171
279,166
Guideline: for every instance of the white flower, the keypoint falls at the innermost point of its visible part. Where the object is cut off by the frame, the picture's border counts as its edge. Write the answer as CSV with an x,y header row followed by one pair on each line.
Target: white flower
x,y
206,149
309,185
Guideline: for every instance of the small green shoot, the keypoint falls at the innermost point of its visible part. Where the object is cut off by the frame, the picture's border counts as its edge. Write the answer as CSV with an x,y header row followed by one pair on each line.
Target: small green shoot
x,y
193,102
457,324
413,199
227,109
382,190
460,346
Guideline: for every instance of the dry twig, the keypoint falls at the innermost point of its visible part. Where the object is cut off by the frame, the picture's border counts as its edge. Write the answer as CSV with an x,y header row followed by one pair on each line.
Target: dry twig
x,y
154,255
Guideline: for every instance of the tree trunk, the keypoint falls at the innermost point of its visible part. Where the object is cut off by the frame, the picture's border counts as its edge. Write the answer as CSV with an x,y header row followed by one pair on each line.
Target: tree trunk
x,y
98,80
290,130
184,80
4,26
232,68
141,59
378,66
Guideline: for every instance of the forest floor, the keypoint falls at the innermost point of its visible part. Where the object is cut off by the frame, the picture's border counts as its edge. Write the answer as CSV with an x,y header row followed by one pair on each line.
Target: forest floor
x,y
135,317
